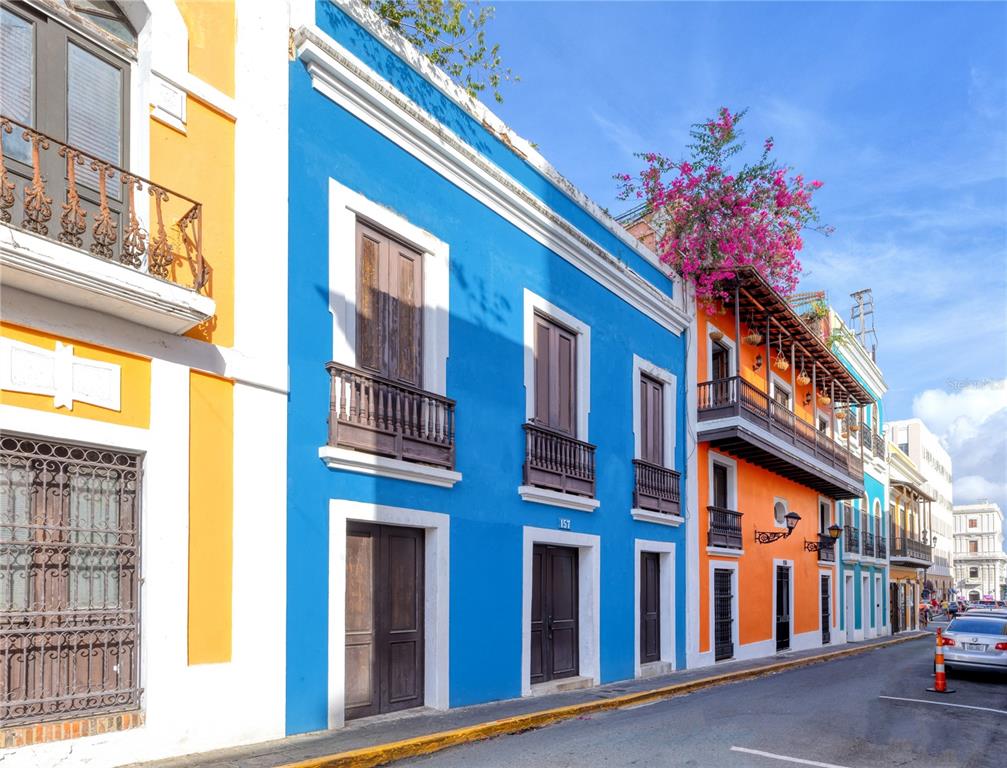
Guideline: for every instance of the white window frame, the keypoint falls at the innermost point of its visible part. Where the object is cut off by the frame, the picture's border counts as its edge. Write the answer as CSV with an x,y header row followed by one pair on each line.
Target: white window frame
x,y
727,341
833,604
346,207
775,382
786,507
789,564
436,598
670,417
666,562
732,496
832,512
534,303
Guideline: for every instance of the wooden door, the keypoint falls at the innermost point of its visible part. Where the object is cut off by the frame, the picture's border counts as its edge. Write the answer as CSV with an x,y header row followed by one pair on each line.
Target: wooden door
x,y
555,632
384,619
782,608
723,615
555,376
721,371
650,607
720,486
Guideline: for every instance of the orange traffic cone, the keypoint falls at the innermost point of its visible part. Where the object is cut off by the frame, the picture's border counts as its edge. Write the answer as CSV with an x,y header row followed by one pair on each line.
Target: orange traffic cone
x,y
940,679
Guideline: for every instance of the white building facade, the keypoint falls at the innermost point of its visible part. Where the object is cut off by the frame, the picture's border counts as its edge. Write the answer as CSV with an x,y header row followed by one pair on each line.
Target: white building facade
x,y
924,448
980,560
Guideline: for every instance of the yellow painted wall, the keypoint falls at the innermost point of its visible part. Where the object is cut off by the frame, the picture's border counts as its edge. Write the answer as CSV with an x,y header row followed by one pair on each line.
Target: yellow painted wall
x,y
212,31
134,385
200,165
211,516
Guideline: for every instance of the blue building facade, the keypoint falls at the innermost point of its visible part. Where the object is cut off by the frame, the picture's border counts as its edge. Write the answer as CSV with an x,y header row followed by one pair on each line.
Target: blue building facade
x,y
863,595
486,444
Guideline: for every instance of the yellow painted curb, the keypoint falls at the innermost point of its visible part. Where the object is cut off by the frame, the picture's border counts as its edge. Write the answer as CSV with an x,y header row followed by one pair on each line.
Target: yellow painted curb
x,y
380,754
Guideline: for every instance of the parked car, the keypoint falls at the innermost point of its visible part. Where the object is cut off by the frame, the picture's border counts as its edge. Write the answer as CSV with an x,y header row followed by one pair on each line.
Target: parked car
x,y
994,612
976,642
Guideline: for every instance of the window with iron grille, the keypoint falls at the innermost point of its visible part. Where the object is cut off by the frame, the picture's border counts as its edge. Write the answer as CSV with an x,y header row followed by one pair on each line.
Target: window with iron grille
x,y
69,568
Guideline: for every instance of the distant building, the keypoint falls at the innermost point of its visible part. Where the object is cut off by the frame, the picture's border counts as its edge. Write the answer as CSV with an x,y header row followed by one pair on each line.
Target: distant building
x,y
934,463
910,551
980,560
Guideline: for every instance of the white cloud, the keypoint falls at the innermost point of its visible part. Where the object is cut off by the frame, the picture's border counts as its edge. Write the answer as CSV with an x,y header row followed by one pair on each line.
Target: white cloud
x,y
971,422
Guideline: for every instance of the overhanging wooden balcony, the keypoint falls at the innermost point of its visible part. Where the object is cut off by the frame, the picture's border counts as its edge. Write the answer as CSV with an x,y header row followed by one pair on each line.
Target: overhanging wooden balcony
x,y
656,488
911,553
558,462
739,418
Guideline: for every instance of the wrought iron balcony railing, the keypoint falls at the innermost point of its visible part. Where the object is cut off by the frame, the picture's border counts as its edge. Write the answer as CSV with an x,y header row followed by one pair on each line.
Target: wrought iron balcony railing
x,y
867,543
657,488
725,528
881,548
98,207
376,415
558,462
851,538
826,548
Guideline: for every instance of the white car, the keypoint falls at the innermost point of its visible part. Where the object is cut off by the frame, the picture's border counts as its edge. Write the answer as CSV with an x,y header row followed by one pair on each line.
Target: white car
x,y
977,642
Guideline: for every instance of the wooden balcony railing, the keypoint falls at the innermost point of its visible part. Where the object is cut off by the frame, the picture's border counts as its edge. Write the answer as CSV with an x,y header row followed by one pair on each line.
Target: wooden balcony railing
x,y
656,488
558,462
98,207
734,396
911,549
875,443
851,538
376,415
725,528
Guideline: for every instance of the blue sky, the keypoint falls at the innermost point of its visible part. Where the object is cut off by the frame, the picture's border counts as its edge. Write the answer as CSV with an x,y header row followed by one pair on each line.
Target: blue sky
x,y
900,108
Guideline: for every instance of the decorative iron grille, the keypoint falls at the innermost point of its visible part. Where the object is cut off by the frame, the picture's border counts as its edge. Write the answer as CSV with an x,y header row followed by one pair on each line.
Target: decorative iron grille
x,y
69,566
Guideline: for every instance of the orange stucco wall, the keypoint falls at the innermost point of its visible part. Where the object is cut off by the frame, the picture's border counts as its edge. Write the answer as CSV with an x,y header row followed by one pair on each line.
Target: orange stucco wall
x,y
757,490
134,405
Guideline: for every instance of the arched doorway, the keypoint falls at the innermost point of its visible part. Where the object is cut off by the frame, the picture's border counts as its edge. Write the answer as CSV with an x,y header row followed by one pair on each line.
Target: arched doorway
x,y
973,596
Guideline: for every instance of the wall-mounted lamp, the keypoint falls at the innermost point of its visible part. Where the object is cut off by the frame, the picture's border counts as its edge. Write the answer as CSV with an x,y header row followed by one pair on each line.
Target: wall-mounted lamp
x,y
807,398
767,537
758,363
824,543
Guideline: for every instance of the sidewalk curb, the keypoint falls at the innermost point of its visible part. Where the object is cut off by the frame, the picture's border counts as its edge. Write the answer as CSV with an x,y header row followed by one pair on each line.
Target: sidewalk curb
x,y
380,754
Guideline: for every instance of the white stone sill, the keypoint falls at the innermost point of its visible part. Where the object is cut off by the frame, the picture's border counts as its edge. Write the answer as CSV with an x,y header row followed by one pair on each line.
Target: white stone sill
x,y
382,466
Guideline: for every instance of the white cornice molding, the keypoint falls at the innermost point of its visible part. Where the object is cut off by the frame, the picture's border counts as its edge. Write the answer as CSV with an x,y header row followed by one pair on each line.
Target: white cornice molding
x,y
40,266
397,44
341,77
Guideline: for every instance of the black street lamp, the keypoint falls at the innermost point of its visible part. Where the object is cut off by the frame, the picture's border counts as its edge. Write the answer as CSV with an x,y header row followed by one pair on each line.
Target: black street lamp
x,y
765,537
824,543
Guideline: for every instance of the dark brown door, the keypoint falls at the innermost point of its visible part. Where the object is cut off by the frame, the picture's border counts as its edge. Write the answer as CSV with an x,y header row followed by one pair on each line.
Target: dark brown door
x,y
826,611
782,608
555,376
650,607
554,615
651,420
384,619
389,302
721,371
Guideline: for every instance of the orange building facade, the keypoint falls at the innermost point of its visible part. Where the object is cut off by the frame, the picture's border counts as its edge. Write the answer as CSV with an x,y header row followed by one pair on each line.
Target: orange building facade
x,y
773,458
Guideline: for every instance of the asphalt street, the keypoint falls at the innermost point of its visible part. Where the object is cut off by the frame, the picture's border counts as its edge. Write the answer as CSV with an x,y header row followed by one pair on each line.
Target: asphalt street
x,y
866,711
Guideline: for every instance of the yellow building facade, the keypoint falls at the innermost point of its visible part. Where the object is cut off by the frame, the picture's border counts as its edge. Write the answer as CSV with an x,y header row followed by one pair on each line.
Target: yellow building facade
x,y
142,378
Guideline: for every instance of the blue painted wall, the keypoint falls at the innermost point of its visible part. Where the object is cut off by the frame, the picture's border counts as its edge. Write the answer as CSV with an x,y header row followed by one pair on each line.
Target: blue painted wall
x,y
491,263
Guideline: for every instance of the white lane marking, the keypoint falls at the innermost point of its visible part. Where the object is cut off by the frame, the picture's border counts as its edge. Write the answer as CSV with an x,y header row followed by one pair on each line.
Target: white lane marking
x,y
785,758
946,704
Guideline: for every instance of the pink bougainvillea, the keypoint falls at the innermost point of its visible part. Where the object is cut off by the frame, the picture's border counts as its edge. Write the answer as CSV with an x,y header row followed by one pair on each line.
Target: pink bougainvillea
x,y
710,221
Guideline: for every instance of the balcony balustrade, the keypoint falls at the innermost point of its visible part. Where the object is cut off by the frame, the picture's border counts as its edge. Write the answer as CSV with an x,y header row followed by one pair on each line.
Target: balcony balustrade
x,y
881,548
851,539
656,488
99,208
376,415
558,462
905,548
867,543
826,548
725,528
734,396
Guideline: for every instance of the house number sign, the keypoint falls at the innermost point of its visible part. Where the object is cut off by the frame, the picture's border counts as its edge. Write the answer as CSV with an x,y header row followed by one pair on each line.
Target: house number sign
x,y
564,523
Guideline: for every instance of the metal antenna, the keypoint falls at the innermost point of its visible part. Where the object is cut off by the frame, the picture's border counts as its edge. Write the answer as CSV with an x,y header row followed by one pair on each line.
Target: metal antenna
x,y
862,321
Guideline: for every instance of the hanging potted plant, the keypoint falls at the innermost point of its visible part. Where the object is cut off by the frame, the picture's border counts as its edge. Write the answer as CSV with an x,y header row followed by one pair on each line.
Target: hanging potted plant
x,y
716,334
753,337
824,399
781,362
853,426
802,378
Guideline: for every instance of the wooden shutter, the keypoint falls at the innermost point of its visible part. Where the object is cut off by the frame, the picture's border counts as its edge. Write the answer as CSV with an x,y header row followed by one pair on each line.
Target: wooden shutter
x,y
720,486
389,307
555,376
651,420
